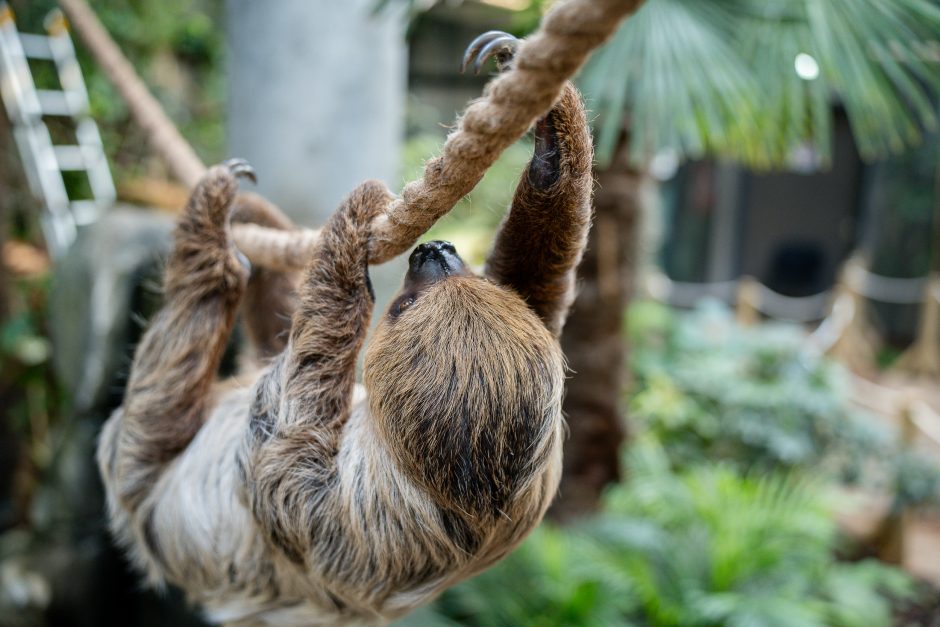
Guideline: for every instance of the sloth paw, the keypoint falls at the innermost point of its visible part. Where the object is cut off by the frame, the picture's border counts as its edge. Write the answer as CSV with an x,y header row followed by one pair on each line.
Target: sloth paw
x,y
214,195
210,209
239,168
495,43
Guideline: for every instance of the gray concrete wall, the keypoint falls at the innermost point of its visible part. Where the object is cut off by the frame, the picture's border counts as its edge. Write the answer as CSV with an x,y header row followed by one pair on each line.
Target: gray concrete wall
x,y
815,209
316,103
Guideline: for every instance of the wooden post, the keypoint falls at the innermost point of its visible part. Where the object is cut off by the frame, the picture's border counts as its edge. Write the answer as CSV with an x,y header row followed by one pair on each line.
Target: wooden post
x,y
856,347
748,305
922,358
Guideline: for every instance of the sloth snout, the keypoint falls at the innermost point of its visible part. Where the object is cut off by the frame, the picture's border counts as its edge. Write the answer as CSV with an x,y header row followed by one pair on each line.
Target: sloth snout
x,y
433,261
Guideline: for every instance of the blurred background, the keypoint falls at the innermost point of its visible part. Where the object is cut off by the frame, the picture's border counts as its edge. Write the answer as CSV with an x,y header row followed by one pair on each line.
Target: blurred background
x,y
754,403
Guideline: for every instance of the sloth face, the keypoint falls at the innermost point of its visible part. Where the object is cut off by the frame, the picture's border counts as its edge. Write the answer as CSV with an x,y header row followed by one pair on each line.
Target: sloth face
x,y
465,382
428,264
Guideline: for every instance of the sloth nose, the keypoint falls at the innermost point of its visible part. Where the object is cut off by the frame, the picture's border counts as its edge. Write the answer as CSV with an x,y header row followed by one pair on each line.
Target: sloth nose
x,y
433,261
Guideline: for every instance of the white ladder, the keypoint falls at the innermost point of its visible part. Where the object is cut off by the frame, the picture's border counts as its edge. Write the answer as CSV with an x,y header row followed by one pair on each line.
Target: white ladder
x,y
27,108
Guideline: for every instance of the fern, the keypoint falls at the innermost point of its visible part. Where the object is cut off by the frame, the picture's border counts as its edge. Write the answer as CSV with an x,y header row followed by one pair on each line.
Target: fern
x,y
706,546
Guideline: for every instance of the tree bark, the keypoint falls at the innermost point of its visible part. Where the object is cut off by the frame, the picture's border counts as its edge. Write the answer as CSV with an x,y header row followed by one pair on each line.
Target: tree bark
x,y
594,344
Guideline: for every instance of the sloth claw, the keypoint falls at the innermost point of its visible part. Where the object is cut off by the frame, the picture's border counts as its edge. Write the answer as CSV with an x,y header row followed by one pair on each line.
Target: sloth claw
x,y
494,43
239,168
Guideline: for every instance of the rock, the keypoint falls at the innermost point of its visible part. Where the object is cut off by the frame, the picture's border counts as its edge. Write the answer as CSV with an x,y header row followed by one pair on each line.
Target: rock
x,y
102,289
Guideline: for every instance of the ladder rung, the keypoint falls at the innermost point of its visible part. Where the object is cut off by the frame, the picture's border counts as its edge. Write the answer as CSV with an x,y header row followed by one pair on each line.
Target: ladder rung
x,y
36,46
58,102
70,158
85,211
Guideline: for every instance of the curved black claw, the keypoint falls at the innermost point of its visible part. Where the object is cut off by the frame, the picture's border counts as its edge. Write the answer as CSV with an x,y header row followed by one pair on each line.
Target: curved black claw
x,y
494,43
241,169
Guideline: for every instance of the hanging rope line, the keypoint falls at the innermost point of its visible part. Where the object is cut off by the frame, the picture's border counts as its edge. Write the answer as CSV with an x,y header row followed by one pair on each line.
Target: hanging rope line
x,y
794,308
511,103
686,294
886,289
767,301
875,287
839,311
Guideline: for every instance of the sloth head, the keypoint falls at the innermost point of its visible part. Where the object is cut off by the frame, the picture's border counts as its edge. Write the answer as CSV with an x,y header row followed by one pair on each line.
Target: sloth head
x,y
465,383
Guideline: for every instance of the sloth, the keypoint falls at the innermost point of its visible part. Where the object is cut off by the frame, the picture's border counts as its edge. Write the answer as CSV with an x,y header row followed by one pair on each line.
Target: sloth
x,y
292,495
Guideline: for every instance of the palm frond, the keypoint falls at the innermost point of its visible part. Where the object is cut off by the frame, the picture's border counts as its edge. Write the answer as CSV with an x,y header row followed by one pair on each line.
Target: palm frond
x,y
718,77
671,69
889,95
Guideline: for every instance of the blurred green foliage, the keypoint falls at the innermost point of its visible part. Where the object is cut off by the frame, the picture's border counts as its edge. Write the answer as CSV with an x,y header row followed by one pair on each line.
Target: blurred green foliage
x,y
31,400
706,545
703,77
708,388
178,48
916,479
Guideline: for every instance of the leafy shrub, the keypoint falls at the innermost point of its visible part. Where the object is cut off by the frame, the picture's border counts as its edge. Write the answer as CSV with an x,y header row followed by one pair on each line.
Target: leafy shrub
x,y
916,479
547,581
702,546
722,548
708,388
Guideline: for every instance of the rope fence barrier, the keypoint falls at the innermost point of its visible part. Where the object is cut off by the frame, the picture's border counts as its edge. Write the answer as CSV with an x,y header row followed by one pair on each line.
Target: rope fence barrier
x,y
893,290
803,309
838,310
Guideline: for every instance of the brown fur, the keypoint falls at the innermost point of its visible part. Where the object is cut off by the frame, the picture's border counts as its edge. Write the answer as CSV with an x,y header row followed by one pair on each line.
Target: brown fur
x,y
541,240
297,499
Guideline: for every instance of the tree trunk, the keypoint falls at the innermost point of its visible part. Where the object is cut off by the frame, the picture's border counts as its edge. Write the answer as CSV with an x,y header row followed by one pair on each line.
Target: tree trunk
x,y
594,344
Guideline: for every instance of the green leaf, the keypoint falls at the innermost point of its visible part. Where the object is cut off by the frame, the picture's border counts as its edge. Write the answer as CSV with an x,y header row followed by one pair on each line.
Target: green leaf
x,y
717,77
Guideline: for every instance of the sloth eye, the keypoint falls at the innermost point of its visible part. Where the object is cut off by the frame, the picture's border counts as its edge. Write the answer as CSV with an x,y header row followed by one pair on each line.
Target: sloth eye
x,y
405,303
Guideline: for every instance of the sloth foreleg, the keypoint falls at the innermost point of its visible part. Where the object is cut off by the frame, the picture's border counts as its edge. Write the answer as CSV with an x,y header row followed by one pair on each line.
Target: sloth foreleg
x,y
178,357
540,243
302,403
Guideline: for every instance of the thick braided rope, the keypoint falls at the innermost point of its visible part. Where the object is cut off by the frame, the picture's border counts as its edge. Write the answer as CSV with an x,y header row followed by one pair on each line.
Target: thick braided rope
x,y
274,248
511,103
